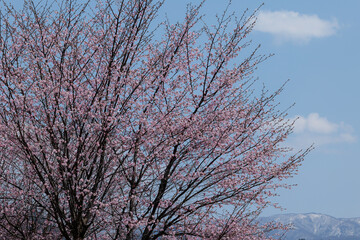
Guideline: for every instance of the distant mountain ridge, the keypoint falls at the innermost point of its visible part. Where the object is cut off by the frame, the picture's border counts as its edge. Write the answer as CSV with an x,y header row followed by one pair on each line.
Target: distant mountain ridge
x,y
314,226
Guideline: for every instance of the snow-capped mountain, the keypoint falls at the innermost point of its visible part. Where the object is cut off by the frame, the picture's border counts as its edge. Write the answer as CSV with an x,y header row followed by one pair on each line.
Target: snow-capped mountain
x,y
313,226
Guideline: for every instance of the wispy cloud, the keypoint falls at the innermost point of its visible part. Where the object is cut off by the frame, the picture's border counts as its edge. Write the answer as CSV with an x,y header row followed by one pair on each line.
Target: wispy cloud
x,y
314,123
314,129
293,26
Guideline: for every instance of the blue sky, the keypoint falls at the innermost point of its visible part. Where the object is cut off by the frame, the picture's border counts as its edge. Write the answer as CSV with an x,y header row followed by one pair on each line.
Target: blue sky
x,y
316,46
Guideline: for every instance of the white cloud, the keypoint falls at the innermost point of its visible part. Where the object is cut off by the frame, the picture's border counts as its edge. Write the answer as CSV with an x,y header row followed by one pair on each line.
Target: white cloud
x,y
314,123
289,25
314,129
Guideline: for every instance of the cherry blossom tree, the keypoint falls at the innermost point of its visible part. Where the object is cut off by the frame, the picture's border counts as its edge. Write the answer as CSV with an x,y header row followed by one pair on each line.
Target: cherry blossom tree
x,y
116,126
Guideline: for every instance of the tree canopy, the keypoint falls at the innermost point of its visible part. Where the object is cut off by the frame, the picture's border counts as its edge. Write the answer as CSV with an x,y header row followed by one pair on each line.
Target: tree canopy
x,y
107,132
